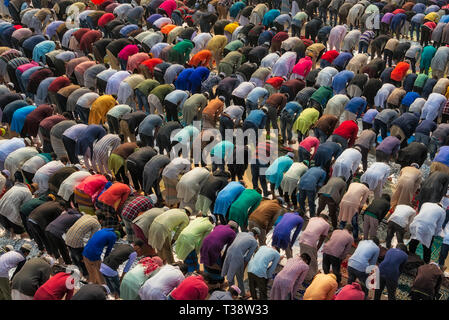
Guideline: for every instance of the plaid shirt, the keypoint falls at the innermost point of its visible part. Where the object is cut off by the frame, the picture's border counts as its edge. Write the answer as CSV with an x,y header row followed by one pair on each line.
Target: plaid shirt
x,y
136,206
446,108
85,225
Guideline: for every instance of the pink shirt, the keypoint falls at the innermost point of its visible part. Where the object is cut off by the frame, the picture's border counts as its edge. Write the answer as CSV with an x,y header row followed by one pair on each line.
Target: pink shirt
x,y
135,60
339,245
303,66
309,143
127,51
26,66
315,228
168,6
351,292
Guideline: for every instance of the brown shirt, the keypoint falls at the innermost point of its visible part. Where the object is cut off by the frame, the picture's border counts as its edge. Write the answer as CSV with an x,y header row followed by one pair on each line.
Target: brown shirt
x,y
396,96
277,100
265,213
125,150
214,108
327,123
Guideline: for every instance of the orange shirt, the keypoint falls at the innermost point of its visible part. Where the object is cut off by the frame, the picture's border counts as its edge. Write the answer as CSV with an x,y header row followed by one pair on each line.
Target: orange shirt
x,y
115,195
323,287
201,58
167,28
214,108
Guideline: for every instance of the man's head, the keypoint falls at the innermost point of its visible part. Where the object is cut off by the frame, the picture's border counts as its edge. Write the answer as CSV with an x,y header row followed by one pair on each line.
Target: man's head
x,y
234,225
6,173
349,228
256,232
26,249
188,210
375,240
138,247
324,216
306,258
222,99
264,109
234,291
402,247
64,160
386,196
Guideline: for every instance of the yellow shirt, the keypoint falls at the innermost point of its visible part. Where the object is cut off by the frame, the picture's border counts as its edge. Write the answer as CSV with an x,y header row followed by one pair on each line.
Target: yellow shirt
x,y
217,43
231,27
323,287
100,107
432,16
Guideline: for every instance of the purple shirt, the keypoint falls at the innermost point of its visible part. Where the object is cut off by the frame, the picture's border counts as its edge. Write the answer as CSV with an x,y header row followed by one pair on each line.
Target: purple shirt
x,y
389,145
370,115
286,225
443,155
75,131
214,242
387,17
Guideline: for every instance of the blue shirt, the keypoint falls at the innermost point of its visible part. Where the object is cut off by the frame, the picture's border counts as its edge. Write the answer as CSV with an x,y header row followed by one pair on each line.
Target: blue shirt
x,y
227,196
312,179
293,108
356,105
223,149
342,59
265,36
86,139
284,227
259,264
443,155
182,81
100,239
409,81
257,117
419,8
397,20
370,115
269,17
197,77
392,264
409,98
365,255
341,79
426,127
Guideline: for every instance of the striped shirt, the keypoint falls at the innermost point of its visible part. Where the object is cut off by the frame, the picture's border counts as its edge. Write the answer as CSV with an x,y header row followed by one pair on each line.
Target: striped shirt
x,y
103,147
367,36
86,225
136,206
12,200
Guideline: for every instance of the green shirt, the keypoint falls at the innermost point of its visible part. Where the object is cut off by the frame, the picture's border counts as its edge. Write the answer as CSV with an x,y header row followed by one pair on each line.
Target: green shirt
x,y
161,91
322,95
184,46
234,45
245,204
421,80
147,85
192,237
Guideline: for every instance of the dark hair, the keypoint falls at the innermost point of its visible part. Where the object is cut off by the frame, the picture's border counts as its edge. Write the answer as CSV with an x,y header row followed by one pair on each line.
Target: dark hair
x,y
375,240
306,258
100,216
122,137
64,159
18,176
349,227
67,115
398,136
140,144
182,266
53,156
402,247
233,292
386,196
138,243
